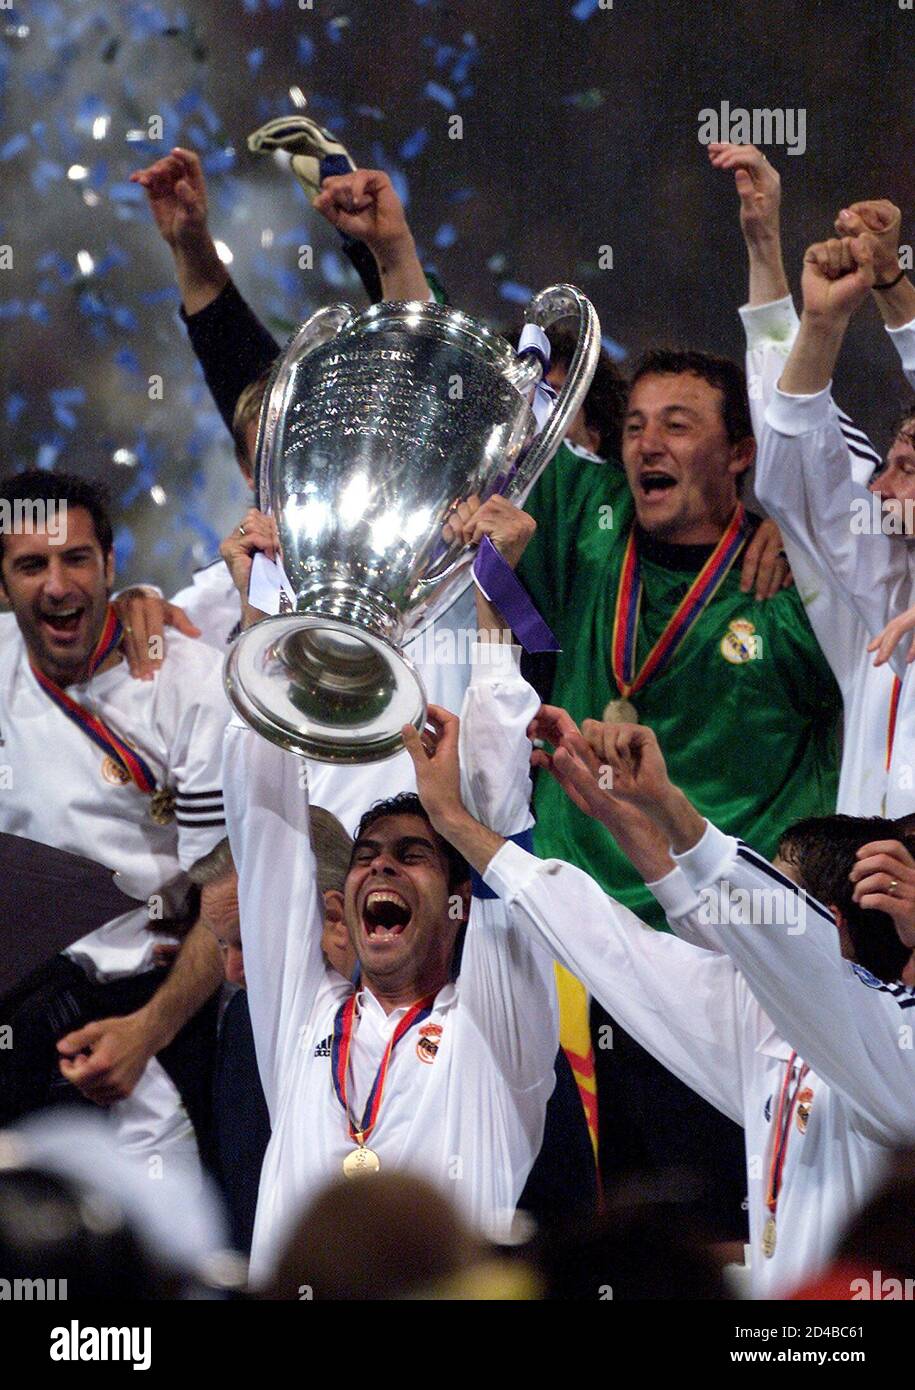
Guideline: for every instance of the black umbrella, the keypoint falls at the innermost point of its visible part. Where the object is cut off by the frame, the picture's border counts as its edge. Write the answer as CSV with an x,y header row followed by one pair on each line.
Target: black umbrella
x,y
48,900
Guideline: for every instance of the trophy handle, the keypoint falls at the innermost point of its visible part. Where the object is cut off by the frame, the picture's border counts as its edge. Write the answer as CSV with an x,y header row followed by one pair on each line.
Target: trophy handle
x,y
323,325
545,309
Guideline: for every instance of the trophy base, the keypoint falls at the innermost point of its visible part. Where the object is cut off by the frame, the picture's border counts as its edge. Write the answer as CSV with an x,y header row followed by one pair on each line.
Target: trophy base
x,y
324,688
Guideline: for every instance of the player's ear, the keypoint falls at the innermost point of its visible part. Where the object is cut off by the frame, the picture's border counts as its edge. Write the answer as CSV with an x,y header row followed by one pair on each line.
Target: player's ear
x,y
742,455
846,945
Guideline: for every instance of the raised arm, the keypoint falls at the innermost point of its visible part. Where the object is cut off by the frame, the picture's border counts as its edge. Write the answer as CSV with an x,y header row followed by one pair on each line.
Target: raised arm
x,y
847,1026
805,464
279,906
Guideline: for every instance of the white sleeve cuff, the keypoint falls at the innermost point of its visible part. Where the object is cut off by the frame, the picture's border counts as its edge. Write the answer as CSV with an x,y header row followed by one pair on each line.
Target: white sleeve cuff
x,y
675,893
793,415
494,661
510,870
767,324
904,343
709,860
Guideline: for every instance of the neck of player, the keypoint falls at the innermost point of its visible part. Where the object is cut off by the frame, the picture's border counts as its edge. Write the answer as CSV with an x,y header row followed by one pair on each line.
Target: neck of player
x,y
393,994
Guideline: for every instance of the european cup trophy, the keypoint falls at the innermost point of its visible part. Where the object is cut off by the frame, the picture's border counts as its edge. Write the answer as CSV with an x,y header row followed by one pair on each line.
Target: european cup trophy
x,y
374,427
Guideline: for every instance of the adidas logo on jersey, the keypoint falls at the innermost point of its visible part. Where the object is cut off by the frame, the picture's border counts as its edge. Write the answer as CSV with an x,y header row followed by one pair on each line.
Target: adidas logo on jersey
x,y
323,1048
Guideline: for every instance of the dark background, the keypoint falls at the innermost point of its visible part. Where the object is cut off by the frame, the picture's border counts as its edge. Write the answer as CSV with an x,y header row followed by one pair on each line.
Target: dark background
x,y
579,130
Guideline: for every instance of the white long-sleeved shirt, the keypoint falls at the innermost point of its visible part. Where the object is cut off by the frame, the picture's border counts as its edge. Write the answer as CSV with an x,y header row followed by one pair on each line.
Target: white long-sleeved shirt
x,y
61,789
728,1024
812,465
471,1119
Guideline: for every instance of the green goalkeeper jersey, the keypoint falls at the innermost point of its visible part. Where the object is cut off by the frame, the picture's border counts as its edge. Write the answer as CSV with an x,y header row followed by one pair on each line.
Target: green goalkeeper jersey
x,y
746,713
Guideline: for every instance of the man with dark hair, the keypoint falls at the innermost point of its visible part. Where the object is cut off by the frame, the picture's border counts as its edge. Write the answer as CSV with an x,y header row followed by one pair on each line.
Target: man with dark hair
x,y
638,573
426,1068
813,473
766,1008
127,771
598,424
824,851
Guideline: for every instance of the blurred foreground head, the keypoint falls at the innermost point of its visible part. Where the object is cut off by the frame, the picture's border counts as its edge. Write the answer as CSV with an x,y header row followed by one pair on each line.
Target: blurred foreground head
x,y
381,1237
75,1207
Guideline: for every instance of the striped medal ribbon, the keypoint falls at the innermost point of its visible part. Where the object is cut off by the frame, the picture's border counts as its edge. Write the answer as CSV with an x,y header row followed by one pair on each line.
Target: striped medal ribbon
x,y
689,610
362,1159
128,759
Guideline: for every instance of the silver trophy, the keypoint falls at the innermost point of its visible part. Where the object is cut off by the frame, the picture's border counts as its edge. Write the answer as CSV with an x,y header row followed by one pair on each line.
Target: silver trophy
x,y
374,427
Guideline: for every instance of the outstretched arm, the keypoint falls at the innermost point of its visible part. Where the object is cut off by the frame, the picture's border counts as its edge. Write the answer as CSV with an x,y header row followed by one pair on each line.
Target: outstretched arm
x,y
850,1029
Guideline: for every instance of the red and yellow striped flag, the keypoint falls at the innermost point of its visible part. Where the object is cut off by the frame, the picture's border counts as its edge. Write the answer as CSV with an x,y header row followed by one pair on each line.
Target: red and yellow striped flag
x,y
575,1037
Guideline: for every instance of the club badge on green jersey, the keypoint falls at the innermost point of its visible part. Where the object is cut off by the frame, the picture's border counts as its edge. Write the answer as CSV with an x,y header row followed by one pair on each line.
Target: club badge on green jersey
x,y
741,642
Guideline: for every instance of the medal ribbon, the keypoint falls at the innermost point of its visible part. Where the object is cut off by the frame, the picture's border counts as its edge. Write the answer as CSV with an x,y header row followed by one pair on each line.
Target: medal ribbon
x,y
129,759
891,722
787,1103
629,602
339,1060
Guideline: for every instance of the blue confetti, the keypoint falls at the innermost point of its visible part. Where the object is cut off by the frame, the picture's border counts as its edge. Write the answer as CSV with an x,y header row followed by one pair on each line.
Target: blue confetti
x,y
399,184
126,193
168,294
614,349
583,9
124,545
47,456
515,293
461,195
15,405
305,49
333,269
445,236
415,144
219,161
335,27
89,107
436,92
125,318
128,362
46,172
255,59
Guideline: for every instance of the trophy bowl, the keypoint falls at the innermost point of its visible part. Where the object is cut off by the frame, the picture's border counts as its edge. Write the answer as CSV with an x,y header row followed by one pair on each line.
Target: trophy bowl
x,y
375,426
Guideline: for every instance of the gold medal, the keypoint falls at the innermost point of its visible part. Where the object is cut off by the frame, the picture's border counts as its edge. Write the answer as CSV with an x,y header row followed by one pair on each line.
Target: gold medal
x,y
768,1238
162,806
361,1161
621,712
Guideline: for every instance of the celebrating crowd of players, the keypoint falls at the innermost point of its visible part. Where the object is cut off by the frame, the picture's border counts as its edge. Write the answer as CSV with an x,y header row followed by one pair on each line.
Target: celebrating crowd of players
x,y
713,845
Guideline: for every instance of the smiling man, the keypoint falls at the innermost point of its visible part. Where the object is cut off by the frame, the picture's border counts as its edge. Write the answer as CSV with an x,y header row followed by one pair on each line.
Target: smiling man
x,y
639,573
125,772
442,1062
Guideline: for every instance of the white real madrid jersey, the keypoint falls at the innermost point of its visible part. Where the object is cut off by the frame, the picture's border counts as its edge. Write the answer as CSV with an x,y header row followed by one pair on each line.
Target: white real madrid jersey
x,y
465,1100
728,1024
212,602
61,789
811,469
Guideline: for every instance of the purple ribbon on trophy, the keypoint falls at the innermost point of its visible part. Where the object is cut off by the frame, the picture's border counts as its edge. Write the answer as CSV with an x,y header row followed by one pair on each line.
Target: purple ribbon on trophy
x,y
494,576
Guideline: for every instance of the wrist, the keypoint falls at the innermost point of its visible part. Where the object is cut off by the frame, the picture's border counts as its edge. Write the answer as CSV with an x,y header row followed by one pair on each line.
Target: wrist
x,y
679,821
152,1028
393,253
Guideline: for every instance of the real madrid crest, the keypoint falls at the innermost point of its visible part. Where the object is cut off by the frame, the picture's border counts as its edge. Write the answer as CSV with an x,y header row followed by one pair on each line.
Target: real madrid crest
x,y
114,772
740,643
427,1044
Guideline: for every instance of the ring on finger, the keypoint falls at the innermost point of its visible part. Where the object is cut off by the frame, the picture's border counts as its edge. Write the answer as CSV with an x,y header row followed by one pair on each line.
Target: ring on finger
x,y
242,531
894,884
